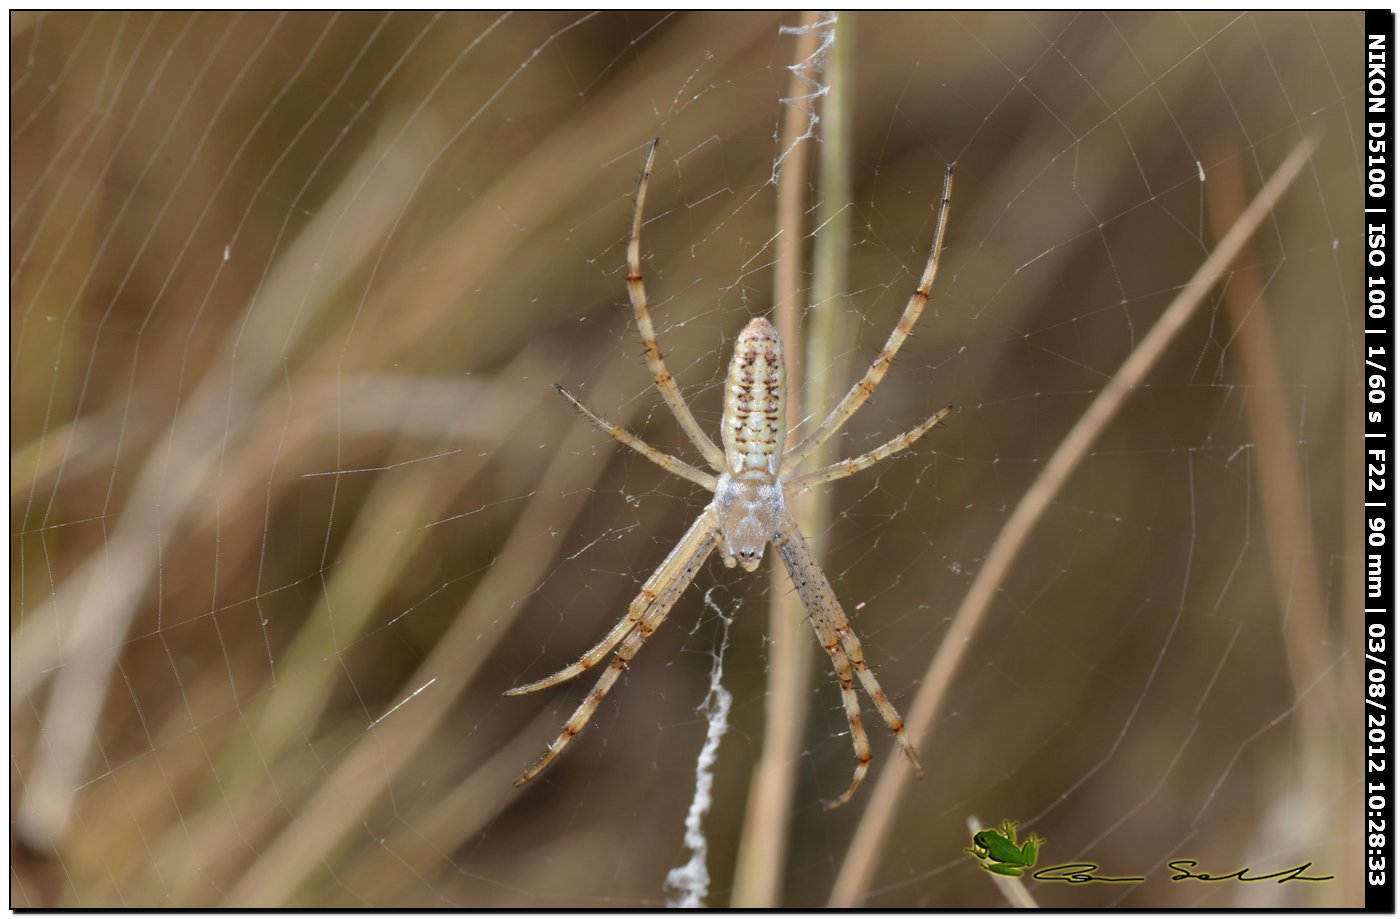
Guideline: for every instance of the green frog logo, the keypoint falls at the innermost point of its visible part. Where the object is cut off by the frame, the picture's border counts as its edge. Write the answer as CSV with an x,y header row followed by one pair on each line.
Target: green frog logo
x,y
998,852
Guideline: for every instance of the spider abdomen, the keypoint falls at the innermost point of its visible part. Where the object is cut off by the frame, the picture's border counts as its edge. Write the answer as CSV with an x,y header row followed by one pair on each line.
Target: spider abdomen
x,y
754,395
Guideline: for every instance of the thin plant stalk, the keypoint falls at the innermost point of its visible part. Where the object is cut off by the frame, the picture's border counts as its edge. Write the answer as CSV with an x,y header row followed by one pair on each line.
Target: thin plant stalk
x,y
1326,737
858,869
764,845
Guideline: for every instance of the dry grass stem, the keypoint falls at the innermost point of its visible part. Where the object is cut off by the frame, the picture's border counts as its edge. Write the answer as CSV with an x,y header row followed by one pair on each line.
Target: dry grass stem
x,y
763,842
858,868
1329,743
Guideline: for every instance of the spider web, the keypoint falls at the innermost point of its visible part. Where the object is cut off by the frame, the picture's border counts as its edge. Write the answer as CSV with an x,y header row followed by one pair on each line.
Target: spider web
x,y
293,503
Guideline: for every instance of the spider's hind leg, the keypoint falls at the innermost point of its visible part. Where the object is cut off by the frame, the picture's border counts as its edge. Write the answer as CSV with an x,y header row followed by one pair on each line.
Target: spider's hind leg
x,y
834,632
877,695
860,740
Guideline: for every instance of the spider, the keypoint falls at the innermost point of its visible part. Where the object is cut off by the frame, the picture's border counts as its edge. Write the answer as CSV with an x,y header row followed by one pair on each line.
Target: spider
x,y
750,508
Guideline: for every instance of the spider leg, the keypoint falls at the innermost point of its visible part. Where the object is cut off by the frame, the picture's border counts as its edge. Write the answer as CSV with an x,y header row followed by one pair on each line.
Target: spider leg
x,y
684,550
664,460
637,292
851,643
851,466
865,386
860,741
834,632
679,570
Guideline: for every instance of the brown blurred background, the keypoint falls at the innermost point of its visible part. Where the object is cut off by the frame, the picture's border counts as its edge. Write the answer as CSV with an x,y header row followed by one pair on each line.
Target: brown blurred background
x,y
293,503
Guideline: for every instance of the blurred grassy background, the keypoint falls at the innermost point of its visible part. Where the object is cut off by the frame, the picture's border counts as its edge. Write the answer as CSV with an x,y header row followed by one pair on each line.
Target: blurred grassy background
x,y
292,502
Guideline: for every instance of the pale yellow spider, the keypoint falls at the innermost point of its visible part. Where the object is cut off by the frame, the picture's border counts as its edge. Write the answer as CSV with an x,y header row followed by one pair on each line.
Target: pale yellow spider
x,y
750,508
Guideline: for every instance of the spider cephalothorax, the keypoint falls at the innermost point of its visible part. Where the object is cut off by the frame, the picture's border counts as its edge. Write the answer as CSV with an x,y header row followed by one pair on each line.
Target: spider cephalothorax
x,y
750,510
